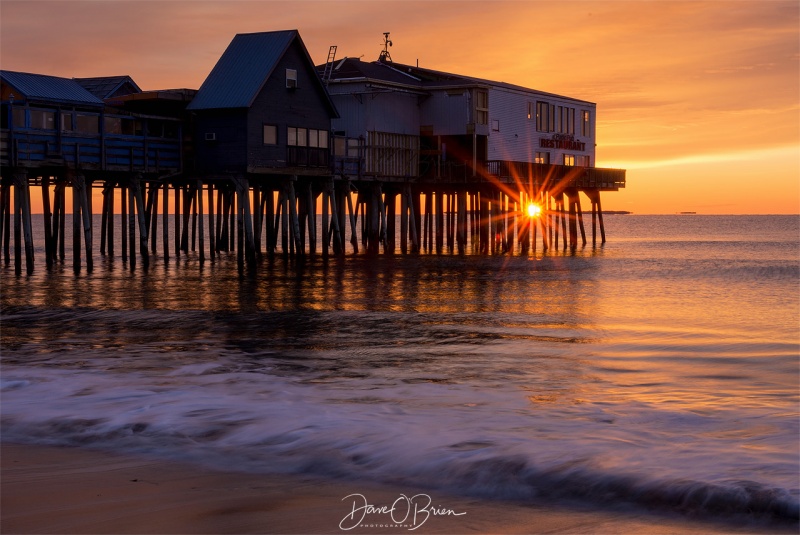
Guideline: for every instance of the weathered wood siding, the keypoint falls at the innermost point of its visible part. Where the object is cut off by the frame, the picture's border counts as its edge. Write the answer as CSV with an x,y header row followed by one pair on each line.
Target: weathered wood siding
x,y
392,155
227,153
303,107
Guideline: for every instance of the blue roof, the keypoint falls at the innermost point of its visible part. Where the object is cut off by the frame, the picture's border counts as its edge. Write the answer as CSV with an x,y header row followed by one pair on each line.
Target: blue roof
x,y
104,87
49,88
242,70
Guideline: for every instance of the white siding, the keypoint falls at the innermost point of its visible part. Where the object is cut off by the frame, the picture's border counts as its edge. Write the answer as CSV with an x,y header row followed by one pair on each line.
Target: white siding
x,y
448,112
517,138
366,111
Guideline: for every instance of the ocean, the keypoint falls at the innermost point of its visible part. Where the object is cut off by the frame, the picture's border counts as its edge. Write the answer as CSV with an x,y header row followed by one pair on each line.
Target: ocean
x,y
657,373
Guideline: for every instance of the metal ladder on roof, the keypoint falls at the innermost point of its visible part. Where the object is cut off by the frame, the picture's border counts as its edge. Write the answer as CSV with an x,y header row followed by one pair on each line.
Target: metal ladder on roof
x,y
326,75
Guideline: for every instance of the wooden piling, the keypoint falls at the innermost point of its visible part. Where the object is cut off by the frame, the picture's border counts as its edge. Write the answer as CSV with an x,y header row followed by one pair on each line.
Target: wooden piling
x,y
165,221
580,216
26,227
212,245
48,223
76,227
390,223
152,216
573,220
141,212
177,219
61,195
353,235
6,220
200,215
103,220
18,228
131,227
600,218
124,225
110,237
311,203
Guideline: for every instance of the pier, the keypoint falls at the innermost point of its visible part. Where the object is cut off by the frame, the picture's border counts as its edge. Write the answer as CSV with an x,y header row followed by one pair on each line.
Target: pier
x,y
295,160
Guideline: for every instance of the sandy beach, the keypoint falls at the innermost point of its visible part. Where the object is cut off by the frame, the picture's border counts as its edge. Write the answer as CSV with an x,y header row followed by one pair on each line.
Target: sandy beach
x,y
70,490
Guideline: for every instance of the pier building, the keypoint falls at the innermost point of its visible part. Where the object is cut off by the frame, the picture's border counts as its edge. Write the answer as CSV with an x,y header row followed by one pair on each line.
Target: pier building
x,y
273,153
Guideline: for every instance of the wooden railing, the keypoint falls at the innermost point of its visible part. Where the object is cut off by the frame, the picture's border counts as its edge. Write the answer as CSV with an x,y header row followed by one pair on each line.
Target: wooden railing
x,y
564,176
47,148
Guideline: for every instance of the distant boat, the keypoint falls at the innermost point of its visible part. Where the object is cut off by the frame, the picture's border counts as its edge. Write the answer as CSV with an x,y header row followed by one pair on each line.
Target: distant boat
x,y
616,212
686,213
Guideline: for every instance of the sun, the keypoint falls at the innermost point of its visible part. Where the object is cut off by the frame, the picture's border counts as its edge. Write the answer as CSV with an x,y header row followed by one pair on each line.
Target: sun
x,y
534,210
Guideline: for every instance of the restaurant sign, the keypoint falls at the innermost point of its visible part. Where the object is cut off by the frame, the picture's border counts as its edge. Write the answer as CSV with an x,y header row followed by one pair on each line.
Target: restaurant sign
x,y
562,141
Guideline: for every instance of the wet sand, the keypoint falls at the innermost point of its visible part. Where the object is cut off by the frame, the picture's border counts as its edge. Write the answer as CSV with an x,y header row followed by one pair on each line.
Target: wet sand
x,y
70,490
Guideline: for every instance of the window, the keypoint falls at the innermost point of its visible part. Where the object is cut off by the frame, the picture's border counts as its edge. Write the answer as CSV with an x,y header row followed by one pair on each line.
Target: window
x,y
291,79
546,119
305,137
67,124
43,120
585,124
571,121
530,110
482,106
112,125
18,117
569,159
339,146
353,146
270,134
583,161
318,139
88,124
542,157
495,125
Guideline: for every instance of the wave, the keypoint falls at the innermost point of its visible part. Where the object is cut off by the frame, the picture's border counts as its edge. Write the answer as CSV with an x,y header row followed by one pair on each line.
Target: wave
x,y
513,478
280,426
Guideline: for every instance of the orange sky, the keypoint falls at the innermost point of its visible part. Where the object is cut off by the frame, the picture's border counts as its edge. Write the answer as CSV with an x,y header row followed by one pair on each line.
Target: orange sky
x,y
698,100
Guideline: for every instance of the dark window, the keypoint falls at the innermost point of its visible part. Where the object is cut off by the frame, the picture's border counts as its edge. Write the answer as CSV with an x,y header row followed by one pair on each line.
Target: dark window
x,y
130,127
18,117
542,157
318,138
43,120
542,116
88,124
339,146
270,134
112,125
67,123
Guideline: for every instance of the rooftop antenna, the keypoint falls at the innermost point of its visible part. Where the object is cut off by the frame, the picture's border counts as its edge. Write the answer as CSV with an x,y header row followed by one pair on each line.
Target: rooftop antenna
x,y
385,56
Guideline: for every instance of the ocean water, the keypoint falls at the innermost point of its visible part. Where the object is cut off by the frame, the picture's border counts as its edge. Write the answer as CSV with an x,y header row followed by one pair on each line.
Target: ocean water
x,y
658,372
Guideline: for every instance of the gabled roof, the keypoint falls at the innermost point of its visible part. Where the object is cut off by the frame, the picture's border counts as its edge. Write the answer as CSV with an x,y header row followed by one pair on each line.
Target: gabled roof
x,y
40,87
104,87
244,68
396,74
355,69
